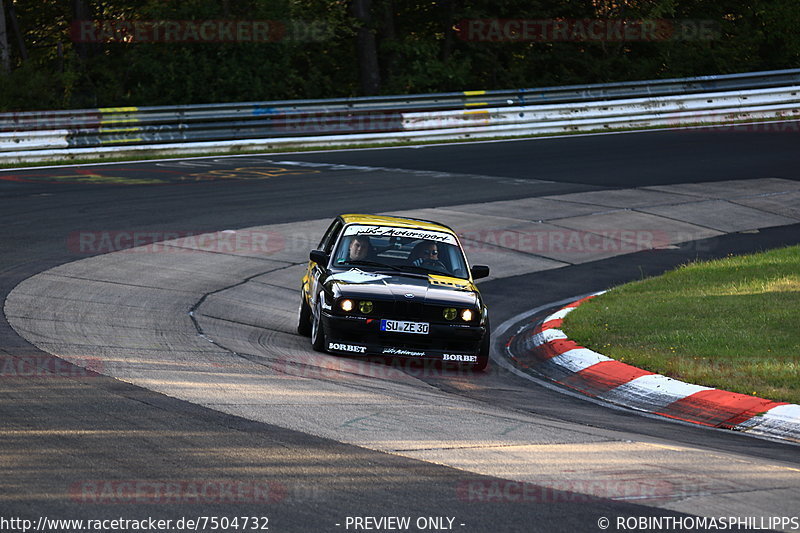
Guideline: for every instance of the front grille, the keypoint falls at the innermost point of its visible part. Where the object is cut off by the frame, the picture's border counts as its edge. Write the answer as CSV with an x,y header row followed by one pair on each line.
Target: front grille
x,y
412,310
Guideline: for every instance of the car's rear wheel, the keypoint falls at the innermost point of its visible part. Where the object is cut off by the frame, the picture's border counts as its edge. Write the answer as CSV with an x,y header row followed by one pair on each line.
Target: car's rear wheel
x,y
317,328
304,318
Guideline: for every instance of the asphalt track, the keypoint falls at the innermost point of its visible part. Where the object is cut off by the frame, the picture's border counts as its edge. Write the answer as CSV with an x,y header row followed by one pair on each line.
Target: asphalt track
x,y
59,431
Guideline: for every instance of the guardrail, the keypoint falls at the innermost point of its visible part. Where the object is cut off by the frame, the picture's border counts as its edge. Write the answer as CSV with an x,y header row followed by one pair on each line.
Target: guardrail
x,y
106,132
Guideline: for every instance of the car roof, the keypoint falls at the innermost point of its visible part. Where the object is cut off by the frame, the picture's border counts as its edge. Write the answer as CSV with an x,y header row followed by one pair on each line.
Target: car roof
x,y
403,222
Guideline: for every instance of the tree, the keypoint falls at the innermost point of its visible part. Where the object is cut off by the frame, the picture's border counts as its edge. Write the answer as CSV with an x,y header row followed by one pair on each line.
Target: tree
x,y
367,47
80,12
369,71
5,56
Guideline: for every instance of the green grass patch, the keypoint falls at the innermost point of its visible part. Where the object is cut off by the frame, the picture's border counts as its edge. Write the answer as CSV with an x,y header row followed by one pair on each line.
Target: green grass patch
x,y
732,324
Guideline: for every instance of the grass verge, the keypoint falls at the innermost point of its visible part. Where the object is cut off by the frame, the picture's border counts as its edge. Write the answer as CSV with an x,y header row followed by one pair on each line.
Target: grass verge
x,y
732,324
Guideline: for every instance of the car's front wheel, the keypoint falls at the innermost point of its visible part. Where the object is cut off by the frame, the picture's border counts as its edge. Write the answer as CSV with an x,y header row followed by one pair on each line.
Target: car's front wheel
x,y
317,328
483,353
304,318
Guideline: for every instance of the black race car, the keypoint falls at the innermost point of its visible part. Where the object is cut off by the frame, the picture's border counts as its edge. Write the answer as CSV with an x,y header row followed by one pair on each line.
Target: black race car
x,y
394,287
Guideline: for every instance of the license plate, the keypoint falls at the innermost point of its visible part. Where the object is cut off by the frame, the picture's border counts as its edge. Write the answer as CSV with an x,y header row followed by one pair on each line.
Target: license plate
x,y
401,326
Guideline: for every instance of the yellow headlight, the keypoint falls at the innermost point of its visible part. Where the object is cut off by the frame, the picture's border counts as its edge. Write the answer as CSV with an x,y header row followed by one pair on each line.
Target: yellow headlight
x,y
365,307
466,315
346,305
449,313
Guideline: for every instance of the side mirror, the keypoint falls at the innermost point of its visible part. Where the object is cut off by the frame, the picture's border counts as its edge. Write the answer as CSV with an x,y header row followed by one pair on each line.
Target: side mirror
x,y
479,271
319,257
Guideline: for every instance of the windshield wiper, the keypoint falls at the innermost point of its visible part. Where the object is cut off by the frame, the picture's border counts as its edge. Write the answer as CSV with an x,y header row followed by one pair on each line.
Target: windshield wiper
x,y
427,270
364,262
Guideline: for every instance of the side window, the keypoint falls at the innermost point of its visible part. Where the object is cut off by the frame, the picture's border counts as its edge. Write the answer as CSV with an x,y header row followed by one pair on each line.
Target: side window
x,y
330,236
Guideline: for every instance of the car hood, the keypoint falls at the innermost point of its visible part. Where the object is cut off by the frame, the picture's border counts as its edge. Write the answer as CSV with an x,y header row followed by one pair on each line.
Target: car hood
x,y
431,289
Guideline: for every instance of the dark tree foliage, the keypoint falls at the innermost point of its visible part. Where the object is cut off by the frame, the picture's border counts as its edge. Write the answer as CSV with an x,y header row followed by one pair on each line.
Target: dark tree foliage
x,y
333,48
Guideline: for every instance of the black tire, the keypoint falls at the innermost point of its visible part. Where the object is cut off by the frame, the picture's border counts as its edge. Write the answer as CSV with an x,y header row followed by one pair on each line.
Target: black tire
x,y
304,318
318,328
483,353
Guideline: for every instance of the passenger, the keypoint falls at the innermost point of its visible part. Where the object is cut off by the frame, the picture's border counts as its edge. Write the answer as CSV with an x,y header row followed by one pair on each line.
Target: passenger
x,y
360,248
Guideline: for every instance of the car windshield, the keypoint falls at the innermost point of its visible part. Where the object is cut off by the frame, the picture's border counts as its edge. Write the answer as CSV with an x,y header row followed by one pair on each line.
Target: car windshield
x,y
410,250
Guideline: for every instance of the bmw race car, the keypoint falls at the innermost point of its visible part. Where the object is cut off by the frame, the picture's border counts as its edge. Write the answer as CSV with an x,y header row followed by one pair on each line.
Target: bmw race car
x,y
394,287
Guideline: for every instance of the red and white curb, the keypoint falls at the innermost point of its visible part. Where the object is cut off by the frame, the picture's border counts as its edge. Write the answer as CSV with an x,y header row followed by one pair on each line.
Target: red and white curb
x,y
548,351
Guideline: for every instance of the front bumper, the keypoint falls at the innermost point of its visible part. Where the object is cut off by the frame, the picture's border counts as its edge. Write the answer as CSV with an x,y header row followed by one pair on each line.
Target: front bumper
x,y
361,336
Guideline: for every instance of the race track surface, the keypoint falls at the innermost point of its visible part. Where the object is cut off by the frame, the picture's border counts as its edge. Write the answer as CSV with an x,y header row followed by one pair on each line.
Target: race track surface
x,y
67,432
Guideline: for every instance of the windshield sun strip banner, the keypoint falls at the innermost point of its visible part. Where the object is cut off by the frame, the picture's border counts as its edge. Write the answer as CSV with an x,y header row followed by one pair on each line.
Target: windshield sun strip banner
x,y
392,231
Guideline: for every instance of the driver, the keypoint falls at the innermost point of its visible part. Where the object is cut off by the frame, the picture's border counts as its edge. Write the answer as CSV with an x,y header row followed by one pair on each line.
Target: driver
x,y
425,253
359,248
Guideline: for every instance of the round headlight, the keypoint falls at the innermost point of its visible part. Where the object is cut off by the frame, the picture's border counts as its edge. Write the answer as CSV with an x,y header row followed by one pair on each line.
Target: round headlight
x,y
449,313
365,307
346,305
466,315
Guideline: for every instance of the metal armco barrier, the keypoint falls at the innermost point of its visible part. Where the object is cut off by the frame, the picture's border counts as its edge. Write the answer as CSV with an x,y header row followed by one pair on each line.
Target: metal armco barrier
x,y
111,132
